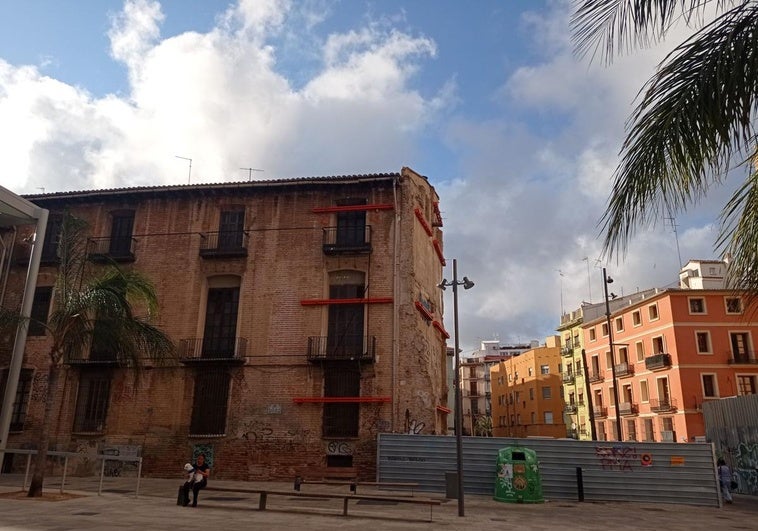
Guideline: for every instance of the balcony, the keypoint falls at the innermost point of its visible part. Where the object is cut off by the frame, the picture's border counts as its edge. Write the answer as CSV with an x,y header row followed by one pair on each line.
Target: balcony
x,y
22,254
572,433
624,369
600,412
94,359
347,240
570,409
595,376
567,351
197,350
568,377
627,409
341,348
662,405
103,250
742,358
224,244
658,361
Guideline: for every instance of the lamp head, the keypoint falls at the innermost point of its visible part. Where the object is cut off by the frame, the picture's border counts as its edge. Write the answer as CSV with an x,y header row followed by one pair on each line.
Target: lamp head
x,y
609,280
442,285
467,284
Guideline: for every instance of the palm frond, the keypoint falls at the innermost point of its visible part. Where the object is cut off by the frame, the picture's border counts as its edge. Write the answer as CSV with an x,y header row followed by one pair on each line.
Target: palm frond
x,y
609,27
739,236
695,115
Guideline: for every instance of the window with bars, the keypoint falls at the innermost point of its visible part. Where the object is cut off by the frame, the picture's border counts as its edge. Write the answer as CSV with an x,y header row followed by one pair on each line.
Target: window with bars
x,y
122,225
351,226
220,331
631,430
92,401
52,239
341,419
210,402
40,310
21,403
231,229
746,384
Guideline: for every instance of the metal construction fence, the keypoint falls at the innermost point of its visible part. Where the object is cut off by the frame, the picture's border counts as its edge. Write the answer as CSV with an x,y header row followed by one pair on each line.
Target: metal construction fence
x,y
611,471
731,424
63,465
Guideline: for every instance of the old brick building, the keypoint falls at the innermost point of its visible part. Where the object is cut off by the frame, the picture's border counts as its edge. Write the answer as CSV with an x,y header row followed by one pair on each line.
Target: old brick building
x,y
305,313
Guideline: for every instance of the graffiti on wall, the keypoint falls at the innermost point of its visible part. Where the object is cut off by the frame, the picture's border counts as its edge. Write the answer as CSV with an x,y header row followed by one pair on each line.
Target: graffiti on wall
x,y
261,431
114,468
412,426
746,467
339,448
616,457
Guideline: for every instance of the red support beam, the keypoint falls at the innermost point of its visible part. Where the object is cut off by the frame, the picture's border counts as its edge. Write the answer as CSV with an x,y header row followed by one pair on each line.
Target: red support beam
x,y
422,220
442,331
444,409
340,399
353,208
324,302
438,250
420,307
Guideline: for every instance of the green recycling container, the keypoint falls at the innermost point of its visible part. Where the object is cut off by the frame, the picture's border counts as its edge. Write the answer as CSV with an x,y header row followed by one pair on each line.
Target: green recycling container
x,y
518,476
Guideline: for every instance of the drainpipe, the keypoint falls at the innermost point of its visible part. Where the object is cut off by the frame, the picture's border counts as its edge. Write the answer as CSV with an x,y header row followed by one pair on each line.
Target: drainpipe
x,y
395,304
17,358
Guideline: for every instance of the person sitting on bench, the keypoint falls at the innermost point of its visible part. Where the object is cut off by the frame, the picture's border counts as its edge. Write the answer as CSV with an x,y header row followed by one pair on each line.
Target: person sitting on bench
x,y
204,470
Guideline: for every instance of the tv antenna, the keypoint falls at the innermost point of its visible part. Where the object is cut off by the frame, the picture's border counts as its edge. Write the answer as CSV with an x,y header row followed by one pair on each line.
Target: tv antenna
x,y
671,219
189,175
250,172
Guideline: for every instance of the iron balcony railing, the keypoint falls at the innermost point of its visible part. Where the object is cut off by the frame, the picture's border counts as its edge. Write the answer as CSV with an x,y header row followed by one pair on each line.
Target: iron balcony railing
x,y
111,249
624,369
94,358
658,361
570,408
600,412
22,254
568,377
572,434
627,408
223,244
212,349
746,357
341,348
567,351
595,376
659,405
347,240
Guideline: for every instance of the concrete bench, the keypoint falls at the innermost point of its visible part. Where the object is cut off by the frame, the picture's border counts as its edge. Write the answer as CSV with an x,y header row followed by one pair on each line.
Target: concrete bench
x,y
265,493
355,484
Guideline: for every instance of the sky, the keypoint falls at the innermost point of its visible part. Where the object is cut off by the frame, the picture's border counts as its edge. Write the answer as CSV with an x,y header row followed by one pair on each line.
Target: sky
x,y
519,136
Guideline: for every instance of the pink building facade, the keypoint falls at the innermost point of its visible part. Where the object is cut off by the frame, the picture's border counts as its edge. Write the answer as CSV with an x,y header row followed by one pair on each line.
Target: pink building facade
x,y
673,350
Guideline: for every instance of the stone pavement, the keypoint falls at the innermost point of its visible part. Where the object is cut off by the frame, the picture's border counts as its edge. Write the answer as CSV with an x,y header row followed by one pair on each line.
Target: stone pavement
x,y
155,508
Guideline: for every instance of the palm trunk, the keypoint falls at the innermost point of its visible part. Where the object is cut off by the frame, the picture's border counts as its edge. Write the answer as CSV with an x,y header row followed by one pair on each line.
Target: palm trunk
x,y
38,477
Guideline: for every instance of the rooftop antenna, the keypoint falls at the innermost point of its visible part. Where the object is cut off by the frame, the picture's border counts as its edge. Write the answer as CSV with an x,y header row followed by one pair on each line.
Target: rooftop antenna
x,y
41,188
672,220
561,274
250,172
589,282
189,175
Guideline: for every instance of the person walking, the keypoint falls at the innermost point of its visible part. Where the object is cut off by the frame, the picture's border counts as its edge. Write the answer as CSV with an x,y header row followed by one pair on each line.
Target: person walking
x,y
725,480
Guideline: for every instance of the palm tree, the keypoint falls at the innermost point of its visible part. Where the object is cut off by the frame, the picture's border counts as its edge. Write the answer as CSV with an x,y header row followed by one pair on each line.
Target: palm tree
x,y
94,310
694,122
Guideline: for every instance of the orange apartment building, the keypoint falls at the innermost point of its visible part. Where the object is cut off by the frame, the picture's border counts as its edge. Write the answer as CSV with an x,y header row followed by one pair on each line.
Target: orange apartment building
x,y
674,349
305,313
526,393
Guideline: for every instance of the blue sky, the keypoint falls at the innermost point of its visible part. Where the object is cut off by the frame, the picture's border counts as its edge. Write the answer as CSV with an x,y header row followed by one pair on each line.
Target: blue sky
x,y
518,135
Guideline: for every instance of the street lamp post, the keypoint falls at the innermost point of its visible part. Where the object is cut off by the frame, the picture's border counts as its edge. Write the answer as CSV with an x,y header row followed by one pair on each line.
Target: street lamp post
x,y
607,280
467,284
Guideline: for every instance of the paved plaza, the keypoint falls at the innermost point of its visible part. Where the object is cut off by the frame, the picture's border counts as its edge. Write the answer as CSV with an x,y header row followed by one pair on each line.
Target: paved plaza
x,y
155,508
